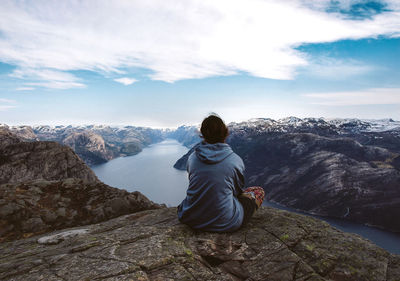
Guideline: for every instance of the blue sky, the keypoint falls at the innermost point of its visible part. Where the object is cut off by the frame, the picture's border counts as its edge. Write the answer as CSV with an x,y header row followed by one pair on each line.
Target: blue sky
x,y
163,63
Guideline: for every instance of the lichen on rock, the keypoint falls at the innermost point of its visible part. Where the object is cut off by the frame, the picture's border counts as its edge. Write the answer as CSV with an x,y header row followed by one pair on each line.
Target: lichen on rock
x,y
153,245
39,206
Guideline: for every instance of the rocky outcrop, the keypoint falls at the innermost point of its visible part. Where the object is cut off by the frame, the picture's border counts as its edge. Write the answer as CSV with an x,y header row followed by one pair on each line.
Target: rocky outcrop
x,y
45,186
7,138
25,133
97,144
331,177
186,135
152,245
328,176
24,161
40,206
90,147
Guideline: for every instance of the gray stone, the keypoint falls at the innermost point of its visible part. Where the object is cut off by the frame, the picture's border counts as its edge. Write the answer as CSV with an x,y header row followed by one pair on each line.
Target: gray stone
x,y
152,245
25,161
48,216
9,209
61,212
32,225
44,206
118,205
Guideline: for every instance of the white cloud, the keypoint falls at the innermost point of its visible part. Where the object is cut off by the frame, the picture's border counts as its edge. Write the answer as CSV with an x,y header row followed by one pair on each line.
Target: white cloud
x,y
6,104
336,69
61,85
365,97
126,81
7,101
6,107
47,78
174,39
25,89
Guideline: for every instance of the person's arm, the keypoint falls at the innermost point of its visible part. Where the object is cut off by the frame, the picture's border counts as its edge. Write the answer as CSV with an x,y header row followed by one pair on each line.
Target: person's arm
x,y
239,178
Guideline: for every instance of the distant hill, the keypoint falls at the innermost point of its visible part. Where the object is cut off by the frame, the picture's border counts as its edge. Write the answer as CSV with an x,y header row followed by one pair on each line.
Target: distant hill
x,y
95,144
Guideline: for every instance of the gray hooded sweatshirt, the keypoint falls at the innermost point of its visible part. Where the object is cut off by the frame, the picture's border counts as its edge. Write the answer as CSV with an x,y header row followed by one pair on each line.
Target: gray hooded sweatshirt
x,y
215,181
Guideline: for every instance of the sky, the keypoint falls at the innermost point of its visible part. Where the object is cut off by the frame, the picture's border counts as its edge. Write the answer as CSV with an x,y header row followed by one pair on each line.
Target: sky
x,y
165,63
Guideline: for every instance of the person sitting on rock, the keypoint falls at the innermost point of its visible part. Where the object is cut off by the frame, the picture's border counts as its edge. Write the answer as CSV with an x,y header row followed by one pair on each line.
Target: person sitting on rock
x,y
215,200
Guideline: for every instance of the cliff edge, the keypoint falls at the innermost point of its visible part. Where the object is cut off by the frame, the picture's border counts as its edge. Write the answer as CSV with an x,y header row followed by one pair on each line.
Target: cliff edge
x,y
23,161
45,186
153,245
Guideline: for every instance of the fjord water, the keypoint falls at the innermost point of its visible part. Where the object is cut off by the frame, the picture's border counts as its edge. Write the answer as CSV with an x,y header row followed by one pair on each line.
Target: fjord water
x,y
387,240
151,172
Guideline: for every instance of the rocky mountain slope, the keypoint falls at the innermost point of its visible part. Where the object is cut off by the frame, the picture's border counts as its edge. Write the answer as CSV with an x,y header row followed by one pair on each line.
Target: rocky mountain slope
x,y
330,177
152,245
186,135
40,206
95,144
348,169
24,133
45,186
89,146
23,161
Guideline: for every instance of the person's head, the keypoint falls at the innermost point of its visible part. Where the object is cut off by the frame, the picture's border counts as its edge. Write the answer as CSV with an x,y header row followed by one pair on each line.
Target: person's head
x,y
213,129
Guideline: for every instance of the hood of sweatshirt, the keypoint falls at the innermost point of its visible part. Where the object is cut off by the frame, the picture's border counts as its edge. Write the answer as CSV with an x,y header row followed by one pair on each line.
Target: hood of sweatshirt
x,y
213,153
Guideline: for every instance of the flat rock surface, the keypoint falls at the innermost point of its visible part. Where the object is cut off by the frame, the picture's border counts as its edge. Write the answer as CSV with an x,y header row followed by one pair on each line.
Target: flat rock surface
x,y
153,245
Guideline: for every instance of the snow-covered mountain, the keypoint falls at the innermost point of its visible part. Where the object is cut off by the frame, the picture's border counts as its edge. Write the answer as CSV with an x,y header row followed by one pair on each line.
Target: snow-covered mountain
x,y
321,125
93,143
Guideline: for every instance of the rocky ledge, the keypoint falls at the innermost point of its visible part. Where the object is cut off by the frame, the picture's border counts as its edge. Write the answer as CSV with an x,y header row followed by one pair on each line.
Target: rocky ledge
x,y
39,206
24,161
153,245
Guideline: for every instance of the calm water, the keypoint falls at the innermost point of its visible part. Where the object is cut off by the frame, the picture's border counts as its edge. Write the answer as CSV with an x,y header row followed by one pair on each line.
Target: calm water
x,y
385,239
151,172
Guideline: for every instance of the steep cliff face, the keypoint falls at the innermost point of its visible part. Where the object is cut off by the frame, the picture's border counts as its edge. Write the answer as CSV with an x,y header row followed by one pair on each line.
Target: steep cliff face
x,y
97,144
7,138
90,147
153,245
329,176
41,206
187,135
45,186
23,161
25,133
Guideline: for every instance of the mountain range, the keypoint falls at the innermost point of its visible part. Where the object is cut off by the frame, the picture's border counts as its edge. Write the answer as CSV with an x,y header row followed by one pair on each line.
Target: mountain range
x,y
342,168
95,144
59,222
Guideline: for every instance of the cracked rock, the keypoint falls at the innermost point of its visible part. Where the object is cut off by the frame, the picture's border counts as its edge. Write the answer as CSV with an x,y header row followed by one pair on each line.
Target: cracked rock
x,y
152,245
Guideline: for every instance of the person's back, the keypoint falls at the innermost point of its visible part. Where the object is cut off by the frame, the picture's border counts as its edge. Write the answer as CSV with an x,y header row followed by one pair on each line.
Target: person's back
x,y
215,200
215,181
